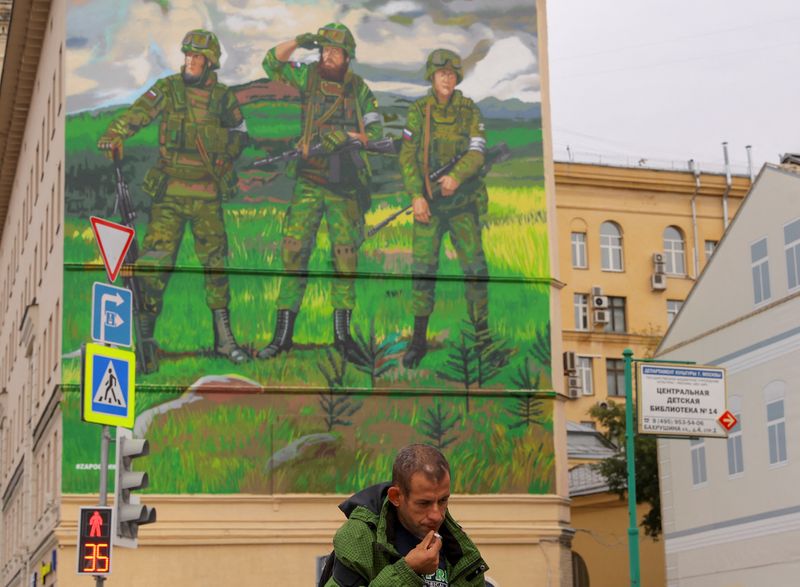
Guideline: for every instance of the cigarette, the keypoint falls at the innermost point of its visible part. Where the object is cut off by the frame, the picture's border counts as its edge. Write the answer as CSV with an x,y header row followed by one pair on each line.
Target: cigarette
x,y
439,536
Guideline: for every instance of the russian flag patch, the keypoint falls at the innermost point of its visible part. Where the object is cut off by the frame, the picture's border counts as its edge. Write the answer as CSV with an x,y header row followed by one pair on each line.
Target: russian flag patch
x,y
407,134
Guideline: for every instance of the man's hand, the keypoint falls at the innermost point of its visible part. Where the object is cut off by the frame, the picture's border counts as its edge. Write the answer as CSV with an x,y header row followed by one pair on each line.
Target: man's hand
x,y
307,40
109,143
422,211
424,559
449,185
334,140
358,136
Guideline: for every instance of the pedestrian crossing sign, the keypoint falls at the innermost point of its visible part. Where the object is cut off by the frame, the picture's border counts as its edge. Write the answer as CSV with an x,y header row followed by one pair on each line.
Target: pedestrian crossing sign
x,y
108,386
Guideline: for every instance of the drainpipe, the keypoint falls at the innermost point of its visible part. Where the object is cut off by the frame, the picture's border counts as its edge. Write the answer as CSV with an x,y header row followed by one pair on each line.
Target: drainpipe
x,y
695,169
727,185
750,163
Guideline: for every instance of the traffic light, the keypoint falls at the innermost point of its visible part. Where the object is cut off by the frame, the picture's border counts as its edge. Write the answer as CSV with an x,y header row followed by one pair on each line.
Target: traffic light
x,y
129,514
94,541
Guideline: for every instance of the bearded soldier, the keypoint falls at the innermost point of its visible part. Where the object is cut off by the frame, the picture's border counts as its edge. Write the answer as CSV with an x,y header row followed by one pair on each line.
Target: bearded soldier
x,y
337,107
441,126
201,133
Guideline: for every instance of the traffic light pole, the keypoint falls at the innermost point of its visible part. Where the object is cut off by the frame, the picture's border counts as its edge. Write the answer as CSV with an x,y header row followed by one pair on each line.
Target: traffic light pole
x,y
105,441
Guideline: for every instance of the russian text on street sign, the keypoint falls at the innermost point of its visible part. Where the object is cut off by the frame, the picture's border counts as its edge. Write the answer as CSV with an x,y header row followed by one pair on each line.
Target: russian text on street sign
x,y
113,240
108,386
728,420
680,400
112,314
94,541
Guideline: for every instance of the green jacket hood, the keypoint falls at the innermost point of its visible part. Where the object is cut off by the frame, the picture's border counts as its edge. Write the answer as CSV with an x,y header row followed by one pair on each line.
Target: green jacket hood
x,y
371,498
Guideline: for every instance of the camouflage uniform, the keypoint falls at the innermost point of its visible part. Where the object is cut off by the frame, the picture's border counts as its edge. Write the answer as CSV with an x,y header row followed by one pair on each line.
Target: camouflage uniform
x,y
201,133
452,128
334,186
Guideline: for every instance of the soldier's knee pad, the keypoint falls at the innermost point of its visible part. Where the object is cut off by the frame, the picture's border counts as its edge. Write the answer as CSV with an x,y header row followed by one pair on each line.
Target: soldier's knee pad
x,y
344,258
292,253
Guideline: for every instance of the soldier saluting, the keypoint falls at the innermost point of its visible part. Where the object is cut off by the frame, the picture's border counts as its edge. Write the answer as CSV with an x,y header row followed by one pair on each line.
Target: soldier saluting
x,y
337,107
440,127
201,133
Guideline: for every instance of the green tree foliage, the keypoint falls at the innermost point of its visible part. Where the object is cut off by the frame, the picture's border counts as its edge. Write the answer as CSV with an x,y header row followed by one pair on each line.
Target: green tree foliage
x,y
336,405
437,423
380,354
615,469
527,407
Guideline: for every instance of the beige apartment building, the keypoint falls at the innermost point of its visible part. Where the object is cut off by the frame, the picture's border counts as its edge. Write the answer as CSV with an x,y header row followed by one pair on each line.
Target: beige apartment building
x,y
632,242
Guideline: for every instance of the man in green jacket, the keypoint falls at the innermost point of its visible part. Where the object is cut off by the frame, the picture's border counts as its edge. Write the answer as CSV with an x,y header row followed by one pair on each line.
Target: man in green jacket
x,y
400,534
201,133
337,107
440,127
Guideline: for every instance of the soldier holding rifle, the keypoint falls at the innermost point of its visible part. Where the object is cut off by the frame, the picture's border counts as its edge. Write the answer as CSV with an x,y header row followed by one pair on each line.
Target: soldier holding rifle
x,y
439,127
337,108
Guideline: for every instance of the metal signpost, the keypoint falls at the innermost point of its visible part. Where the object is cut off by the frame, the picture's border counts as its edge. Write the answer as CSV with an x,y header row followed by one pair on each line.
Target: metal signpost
x,y
676,398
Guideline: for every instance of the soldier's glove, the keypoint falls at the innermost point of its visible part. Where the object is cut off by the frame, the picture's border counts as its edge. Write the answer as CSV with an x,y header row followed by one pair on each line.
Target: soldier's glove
x,y
307,40
334,140
108,143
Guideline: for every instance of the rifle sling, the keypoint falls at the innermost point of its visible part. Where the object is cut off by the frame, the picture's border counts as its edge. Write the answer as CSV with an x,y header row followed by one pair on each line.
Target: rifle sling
x,y
426,145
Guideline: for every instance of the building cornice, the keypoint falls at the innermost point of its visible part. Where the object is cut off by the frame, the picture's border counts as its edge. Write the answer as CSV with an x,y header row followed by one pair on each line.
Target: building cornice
x,y
20,65
651,180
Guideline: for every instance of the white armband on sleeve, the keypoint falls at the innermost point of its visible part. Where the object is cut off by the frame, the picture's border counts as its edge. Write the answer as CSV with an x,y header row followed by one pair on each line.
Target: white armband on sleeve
x,y
477,144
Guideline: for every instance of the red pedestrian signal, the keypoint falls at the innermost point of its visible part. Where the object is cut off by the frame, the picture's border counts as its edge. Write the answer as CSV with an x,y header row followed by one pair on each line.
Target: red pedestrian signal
x,y
94,541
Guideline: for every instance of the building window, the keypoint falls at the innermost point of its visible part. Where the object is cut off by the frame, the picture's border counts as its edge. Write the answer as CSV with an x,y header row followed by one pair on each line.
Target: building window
x,y
585,373
610,247
791,236
578,240
698,449
581,305
735,450
673,307
615,376
776,432
758,255
710,247
616,315
674,252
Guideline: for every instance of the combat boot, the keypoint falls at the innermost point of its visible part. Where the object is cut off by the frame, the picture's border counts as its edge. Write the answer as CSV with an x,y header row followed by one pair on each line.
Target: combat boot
x,y
147,343
224,342
343,341
282,339
419,343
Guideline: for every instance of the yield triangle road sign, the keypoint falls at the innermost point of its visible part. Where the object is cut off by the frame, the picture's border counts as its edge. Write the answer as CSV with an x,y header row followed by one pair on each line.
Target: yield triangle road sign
x,y
114,240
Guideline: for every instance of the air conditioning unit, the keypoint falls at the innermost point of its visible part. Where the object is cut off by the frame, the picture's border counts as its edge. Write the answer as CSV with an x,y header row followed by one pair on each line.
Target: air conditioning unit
x,y
597,291
574,382
600,302
574,392
658,263
658,281
570,361
602,405
601,317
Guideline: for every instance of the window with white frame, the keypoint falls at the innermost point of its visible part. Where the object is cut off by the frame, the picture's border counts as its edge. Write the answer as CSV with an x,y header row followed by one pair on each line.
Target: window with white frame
x,y
578,242
581,306
774,395
673,307
697,446
585,368
735,449
760,261
674,252
710,247
791,237
610,247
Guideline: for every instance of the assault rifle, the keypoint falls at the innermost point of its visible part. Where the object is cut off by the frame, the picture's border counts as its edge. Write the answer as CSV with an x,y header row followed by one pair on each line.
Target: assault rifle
x,y
146,357
497,154
385,146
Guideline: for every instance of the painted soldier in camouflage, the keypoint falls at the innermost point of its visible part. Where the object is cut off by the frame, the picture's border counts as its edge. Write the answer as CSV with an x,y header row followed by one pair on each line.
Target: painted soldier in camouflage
x,y
337,106
439,127
201,133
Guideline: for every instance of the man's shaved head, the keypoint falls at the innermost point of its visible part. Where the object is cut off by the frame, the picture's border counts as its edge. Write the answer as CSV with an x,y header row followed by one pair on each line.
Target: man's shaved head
x,y
418,458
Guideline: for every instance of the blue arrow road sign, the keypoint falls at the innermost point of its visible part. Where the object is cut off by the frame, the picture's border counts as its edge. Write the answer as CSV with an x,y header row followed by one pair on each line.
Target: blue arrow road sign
x,y
112,314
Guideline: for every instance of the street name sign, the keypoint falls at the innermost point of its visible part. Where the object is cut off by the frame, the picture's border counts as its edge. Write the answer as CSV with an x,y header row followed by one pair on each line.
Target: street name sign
x,y
681,400
108,386
113,240
112,314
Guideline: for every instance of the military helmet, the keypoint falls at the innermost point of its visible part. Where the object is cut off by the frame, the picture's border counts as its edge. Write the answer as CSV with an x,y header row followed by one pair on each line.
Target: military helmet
x,y
441,58
337,35
205,43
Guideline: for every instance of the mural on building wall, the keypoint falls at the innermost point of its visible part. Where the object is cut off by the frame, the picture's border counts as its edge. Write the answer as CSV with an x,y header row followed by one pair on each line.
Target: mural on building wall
x,y
341,239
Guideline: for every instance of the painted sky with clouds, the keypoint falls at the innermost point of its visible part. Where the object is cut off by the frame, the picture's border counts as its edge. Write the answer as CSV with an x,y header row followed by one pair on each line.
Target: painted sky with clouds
x,y
116,49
